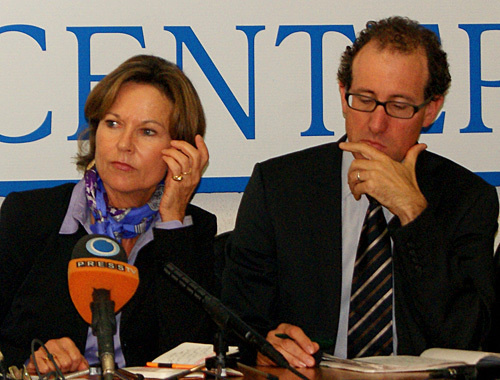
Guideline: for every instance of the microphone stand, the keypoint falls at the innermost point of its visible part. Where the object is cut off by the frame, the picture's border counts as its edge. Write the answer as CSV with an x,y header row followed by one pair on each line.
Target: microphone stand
x,y
228,320
104,327
220,348
221,361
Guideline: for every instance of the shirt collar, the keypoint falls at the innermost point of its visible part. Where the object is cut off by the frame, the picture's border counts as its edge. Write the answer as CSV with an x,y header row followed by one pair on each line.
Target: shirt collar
x,y
78,212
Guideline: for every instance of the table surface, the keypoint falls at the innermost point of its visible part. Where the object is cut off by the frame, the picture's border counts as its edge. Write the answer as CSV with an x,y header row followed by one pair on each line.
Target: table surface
x,y
333,374
325,373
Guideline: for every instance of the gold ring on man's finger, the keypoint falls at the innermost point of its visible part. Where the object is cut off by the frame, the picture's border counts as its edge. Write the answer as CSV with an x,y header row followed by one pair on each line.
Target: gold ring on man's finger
x,y
177,178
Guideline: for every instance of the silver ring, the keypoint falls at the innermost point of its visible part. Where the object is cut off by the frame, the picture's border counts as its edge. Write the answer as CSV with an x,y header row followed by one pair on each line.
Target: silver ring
x,y
357,176
177,177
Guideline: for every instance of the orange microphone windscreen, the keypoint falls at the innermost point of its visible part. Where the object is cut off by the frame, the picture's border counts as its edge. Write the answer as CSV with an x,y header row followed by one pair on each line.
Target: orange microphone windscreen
x,y
97,263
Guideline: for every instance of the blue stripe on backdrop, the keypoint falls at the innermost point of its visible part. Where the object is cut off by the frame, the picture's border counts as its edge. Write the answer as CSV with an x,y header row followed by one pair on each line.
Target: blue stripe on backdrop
x,y
207,185
491,177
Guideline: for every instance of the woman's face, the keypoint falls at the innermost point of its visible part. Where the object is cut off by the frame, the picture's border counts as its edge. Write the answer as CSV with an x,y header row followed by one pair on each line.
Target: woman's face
x,y
129,141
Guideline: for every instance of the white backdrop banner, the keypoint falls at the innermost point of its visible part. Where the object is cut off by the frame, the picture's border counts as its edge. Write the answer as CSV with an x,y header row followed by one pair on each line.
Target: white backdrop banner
x,y
265,71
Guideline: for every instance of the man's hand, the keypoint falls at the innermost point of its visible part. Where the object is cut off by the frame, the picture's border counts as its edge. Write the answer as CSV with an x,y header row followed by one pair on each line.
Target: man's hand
x,y
65,353
393,184
297,349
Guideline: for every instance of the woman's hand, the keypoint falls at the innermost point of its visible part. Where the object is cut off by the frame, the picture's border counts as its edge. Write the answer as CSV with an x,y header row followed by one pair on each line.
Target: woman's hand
x,y
185,167
65,353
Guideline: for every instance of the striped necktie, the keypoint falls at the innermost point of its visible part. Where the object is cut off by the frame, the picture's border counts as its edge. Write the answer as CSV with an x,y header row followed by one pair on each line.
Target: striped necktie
x,y
370,316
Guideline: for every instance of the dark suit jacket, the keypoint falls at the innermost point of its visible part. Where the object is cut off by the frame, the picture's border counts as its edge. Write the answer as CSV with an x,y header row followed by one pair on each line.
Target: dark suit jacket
x,y
34,296
284,259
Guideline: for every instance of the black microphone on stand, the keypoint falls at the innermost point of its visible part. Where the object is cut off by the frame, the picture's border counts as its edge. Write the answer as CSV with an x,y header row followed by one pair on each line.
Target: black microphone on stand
x,y
226,319
100,283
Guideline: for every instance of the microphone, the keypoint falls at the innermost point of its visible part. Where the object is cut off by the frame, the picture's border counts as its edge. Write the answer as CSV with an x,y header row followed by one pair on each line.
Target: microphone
x,y
226,319
100,284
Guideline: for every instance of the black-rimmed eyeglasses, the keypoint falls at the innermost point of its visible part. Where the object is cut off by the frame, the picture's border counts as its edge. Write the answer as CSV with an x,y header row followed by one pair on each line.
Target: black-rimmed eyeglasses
x,y
400,110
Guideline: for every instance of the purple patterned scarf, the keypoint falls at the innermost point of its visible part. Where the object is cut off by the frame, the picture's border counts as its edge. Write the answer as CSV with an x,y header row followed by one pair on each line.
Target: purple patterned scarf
x,y
118,223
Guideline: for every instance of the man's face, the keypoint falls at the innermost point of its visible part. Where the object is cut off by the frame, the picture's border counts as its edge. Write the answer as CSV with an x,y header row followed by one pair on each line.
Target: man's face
x,y
388,75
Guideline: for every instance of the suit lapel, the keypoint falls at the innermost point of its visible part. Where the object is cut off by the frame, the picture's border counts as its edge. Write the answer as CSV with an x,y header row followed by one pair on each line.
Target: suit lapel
x,y
326,197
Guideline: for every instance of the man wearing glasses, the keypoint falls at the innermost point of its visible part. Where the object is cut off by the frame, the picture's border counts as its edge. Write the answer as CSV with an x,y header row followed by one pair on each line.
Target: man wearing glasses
x,y
292,256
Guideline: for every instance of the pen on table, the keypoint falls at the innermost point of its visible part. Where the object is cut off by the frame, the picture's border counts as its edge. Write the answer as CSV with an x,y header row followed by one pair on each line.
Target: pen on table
x,y
186,372
170,365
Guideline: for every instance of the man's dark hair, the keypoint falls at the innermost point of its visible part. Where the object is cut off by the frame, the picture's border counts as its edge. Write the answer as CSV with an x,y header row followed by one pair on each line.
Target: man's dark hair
x,y
405,36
